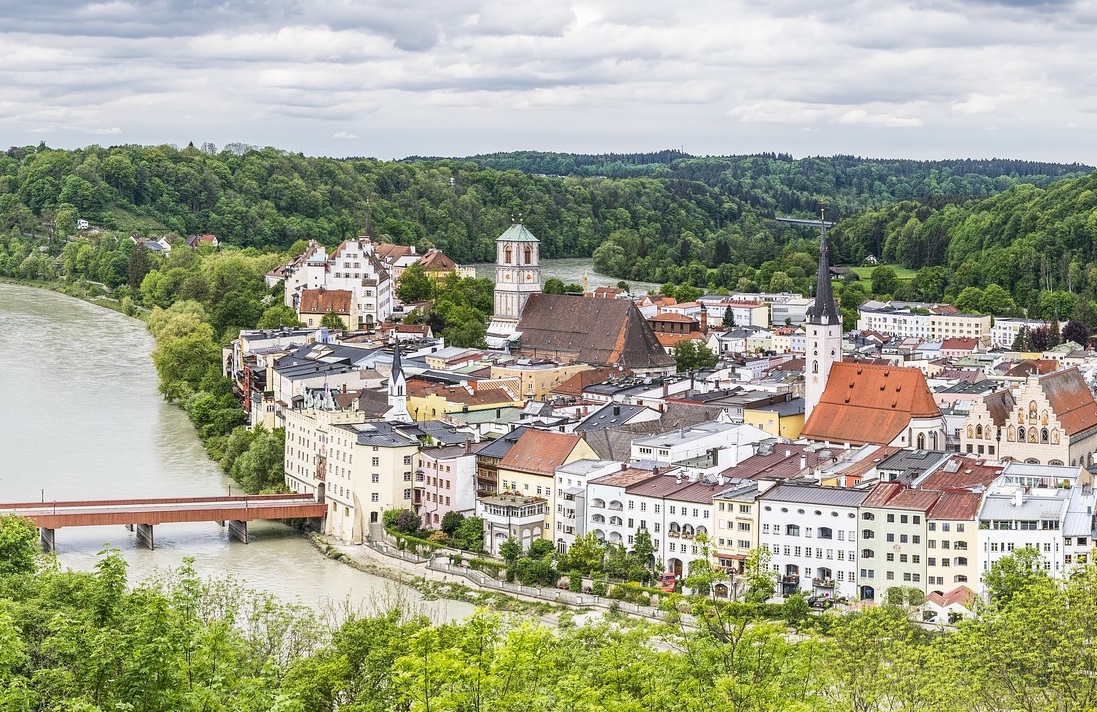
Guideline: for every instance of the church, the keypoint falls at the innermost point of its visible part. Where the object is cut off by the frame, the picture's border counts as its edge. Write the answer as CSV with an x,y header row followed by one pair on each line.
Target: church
x,y
564,328
859,403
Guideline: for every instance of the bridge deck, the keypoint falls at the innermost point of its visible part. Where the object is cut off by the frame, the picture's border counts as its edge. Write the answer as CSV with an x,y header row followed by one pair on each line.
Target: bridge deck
x,y
55,515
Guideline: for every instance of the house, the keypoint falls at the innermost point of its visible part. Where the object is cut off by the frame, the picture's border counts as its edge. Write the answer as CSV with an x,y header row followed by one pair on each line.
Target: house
x,y
598,332
436,265
1052,420
571,497
199,240
949,607
811,534
892,542
511,515
873,404
315,304
529,466
445,482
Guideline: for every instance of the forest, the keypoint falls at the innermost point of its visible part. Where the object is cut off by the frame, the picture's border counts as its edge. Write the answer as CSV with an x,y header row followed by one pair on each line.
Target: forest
x,y
660,217
93,642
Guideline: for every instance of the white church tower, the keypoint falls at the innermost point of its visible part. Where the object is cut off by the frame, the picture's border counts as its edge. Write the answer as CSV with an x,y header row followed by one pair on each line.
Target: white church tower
x,y
824,331
517,276
398,390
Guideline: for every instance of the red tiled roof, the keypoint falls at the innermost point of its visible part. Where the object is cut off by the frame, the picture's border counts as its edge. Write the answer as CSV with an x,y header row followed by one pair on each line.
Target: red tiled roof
x,y
1070,399
956,506
436,261
672,316
539,452
1028,368
865,403
960,594
959,344
968,473
321,301
782,464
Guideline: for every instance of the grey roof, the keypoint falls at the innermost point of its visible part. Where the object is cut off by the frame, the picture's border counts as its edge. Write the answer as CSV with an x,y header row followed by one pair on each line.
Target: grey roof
x,y
378,435
909,464
823,311
684,435
442,432
502,414
501,446
815,494
1078,524
789,407
1001,506
584,467
611,414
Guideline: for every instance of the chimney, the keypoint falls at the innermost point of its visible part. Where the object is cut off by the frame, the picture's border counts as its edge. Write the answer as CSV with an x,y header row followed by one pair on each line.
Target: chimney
x,y
704,319
788,453
616,410
1018,498
468,447
803,462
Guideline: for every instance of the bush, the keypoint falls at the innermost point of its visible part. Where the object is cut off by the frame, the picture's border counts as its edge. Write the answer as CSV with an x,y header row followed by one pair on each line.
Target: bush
x,y
488,567
599,588
575,581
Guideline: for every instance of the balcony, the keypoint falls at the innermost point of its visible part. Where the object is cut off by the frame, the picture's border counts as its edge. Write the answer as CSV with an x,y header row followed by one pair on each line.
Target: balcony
x,y
822,582
792,579
673,534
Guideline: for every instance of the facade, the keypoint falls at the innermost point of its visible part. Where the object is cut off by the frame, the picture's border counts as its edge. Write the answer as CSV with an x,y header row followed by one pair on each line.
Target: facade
x,y
571,497
1004,332
735,518
445,482
952,542
537,378
355,267
1053,422
811,534
517,276
893,527
511,515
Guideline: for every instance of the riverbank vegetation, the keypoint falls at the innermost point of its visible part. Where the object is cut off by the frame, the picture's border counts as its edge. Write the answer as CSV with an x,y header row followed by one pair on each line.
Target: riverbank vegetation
x,y
90,642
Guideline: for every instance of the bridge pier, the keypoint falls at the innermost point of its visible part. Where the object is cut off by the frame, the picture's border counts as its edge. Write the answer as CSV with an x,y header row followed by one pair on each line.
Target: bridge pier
x,y
238,530
144,535
48,538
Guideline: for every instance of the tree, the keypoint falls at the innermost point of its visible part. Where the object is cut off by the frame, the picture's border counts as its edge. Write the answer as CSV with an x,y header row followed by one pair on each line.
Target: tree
x,y
644,549
277,317
970,300
691,355
331,320
729,318
451,521
1077,332
510,550
470,534
586,554
759,578
1010,575
997,301
781,282
553,285
884,280
415,285
18,545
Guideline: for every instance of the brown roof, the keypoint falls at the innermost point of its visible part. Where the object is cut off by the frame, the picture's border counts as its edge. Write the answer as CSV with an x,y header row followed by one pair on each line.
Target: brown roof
x,y
539,452
464,395
436,261
1028,368
1000,406
321,301
1070,399
866,403
959,343
866,463
956,506
961,473
668,486
782,464
672,316
601,332
625,478
391,253
894,495
575,385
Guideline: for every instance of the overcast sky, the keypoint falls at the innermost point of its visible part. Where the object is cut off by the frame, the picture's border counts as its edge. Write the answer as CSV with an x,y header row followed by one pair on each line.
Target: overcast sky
x,y
391,78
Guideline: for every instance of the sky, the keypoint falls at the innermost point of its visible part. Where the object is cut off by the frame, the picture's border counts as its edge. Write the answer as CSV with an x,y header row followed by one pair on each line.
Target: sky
x,y
927,79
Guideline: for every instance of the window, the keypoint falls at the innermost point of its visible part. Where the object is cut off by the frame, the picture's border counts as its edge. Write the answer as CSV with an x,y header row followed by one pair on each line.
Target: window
x,y
867,534
825,533
933,526
903,519
630,504
375,478
376,462
902,558
891,576
407,494
656,508
743,526
931,561
890,537
792,530
917,519
643,506
868,516
867,553
903,538
375,497
891,518
960,561
672,509
890,556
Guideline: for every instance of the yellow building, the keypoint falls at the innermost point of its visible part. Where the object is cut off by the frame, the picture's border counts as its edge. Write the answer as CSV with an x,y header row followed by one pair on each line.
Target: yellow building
x,y
736,522
529,468
430,401
537,378
784,420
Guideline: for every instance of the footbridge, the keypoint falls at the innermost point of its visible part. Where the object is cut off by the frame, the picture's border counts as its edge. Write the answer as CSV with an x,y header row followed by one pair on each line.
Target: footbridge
x,y
141,515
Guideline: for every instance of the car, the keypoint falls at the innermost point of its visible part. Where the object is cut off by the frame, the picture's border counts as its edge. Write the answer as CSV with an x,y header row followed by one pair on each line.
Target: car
x,y
823,602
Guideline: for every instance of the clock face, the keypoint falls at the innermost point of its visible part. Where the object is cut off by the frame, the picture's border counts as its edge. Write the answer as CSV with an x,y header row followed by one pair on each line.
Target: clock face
x,y
814,379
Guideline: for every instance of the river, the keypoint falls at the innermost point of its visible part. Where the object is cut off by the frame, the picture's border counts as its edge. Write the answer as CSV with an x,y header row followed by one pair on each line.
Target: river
x,y
570,270
82,419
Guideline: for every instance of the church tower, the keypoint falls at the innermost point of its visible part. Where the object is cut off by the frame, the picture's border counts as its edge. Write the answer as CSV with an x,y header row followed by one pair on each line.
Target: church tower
x,y
517,276
824,330
398,390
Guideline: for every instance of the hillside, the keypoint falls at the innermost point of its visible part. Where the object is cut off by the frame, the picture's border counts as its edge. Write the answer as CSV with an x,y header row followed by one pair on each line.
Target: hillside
x,y
1040,244
664,216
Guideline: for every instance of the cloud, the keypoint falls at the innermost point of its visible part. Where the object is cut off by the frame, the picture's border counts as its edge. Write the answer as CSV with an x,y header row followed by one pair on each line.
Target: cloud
x,y
113,130
463,76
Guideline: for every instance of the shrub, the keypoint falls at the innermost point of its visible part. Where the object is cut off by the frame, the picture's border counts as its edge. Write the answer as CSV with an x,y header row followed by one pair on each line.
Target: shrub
x,y
575,581
599,588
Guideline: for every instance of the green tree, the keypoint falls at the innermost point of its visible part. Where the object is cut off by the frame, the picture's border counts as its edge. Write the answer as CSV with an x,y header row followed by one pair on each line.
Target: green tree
x,y
451,522
19,550
331,320
278,316
415,285
470,534
760,581
884,280
553,285
691,355
510,550
586,554
1011,575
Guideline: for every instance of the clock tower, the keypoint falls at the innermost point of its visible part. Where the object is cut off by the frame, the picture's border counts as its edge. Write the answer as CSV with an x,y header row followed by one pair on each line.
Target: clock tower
x,y
517,276
824,331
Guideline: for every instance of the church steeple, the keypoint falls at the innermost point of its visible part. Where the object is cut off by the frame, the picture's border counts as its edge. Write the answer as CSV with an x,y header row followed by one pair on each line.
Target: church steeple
x,y
824,330
398,389
823,310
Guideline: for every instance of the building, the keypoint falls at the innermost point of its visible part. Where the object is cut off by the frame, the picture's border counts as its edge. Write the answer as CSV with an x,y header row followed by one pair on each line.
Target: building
x,y
511,515
571,497
824,333
445,482
735,519
517,277
880,405
1052,422
811,534
1005,330
784,419
538,377
598,332
354,266
315,304
952,541
893,527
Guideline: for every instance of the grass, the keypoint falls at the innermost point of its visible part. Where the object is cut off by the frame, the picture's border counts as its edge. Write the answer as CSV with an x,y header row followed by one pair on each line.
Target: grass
x,y
903,273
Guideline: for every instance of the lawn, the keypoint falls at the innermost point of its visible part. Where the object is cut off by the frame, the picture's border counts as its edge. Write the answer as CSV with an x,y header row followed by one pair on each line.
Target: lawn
x,y
904,273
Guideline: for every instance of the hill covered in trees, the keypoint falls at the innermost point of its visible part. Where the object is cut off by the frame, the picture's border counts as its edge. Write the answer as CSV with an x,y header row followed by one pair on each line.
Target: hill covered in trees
x,y
1039,244
663,216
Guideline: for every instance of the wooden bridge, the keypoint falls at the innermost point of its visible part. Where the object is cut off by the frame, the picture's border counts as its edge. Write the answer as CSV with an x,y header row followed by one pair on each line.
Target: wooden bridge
x,y
141,515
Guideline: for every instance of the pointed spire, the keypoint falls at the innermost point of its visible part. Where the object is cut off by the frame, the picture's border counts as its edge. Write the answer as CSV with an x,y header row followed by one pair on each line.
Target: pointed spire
x,y
396,366
823,310
369,222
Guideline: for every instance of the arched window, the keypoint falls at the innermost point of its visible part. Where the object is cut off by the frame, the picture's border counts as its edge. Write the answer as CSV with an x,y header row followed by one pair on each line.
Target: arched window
x,y
815,367
1021,434
867,534
825,533
979,431
1044,436
508,255
868,516
921,441
792,529
529,255
867,553
959,578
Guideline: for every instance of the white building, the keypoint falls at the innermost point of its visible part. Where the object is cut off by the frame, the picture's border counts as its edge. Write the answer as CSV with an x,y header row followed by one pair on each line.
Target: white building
x,y
1005,330
354,266
700,439
571,497
517,276
811,534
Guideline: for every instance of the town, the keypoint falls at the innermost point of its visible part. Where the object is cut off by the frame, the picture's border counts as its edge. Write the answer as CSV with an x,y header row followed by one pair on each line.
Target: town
x,y
910,450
